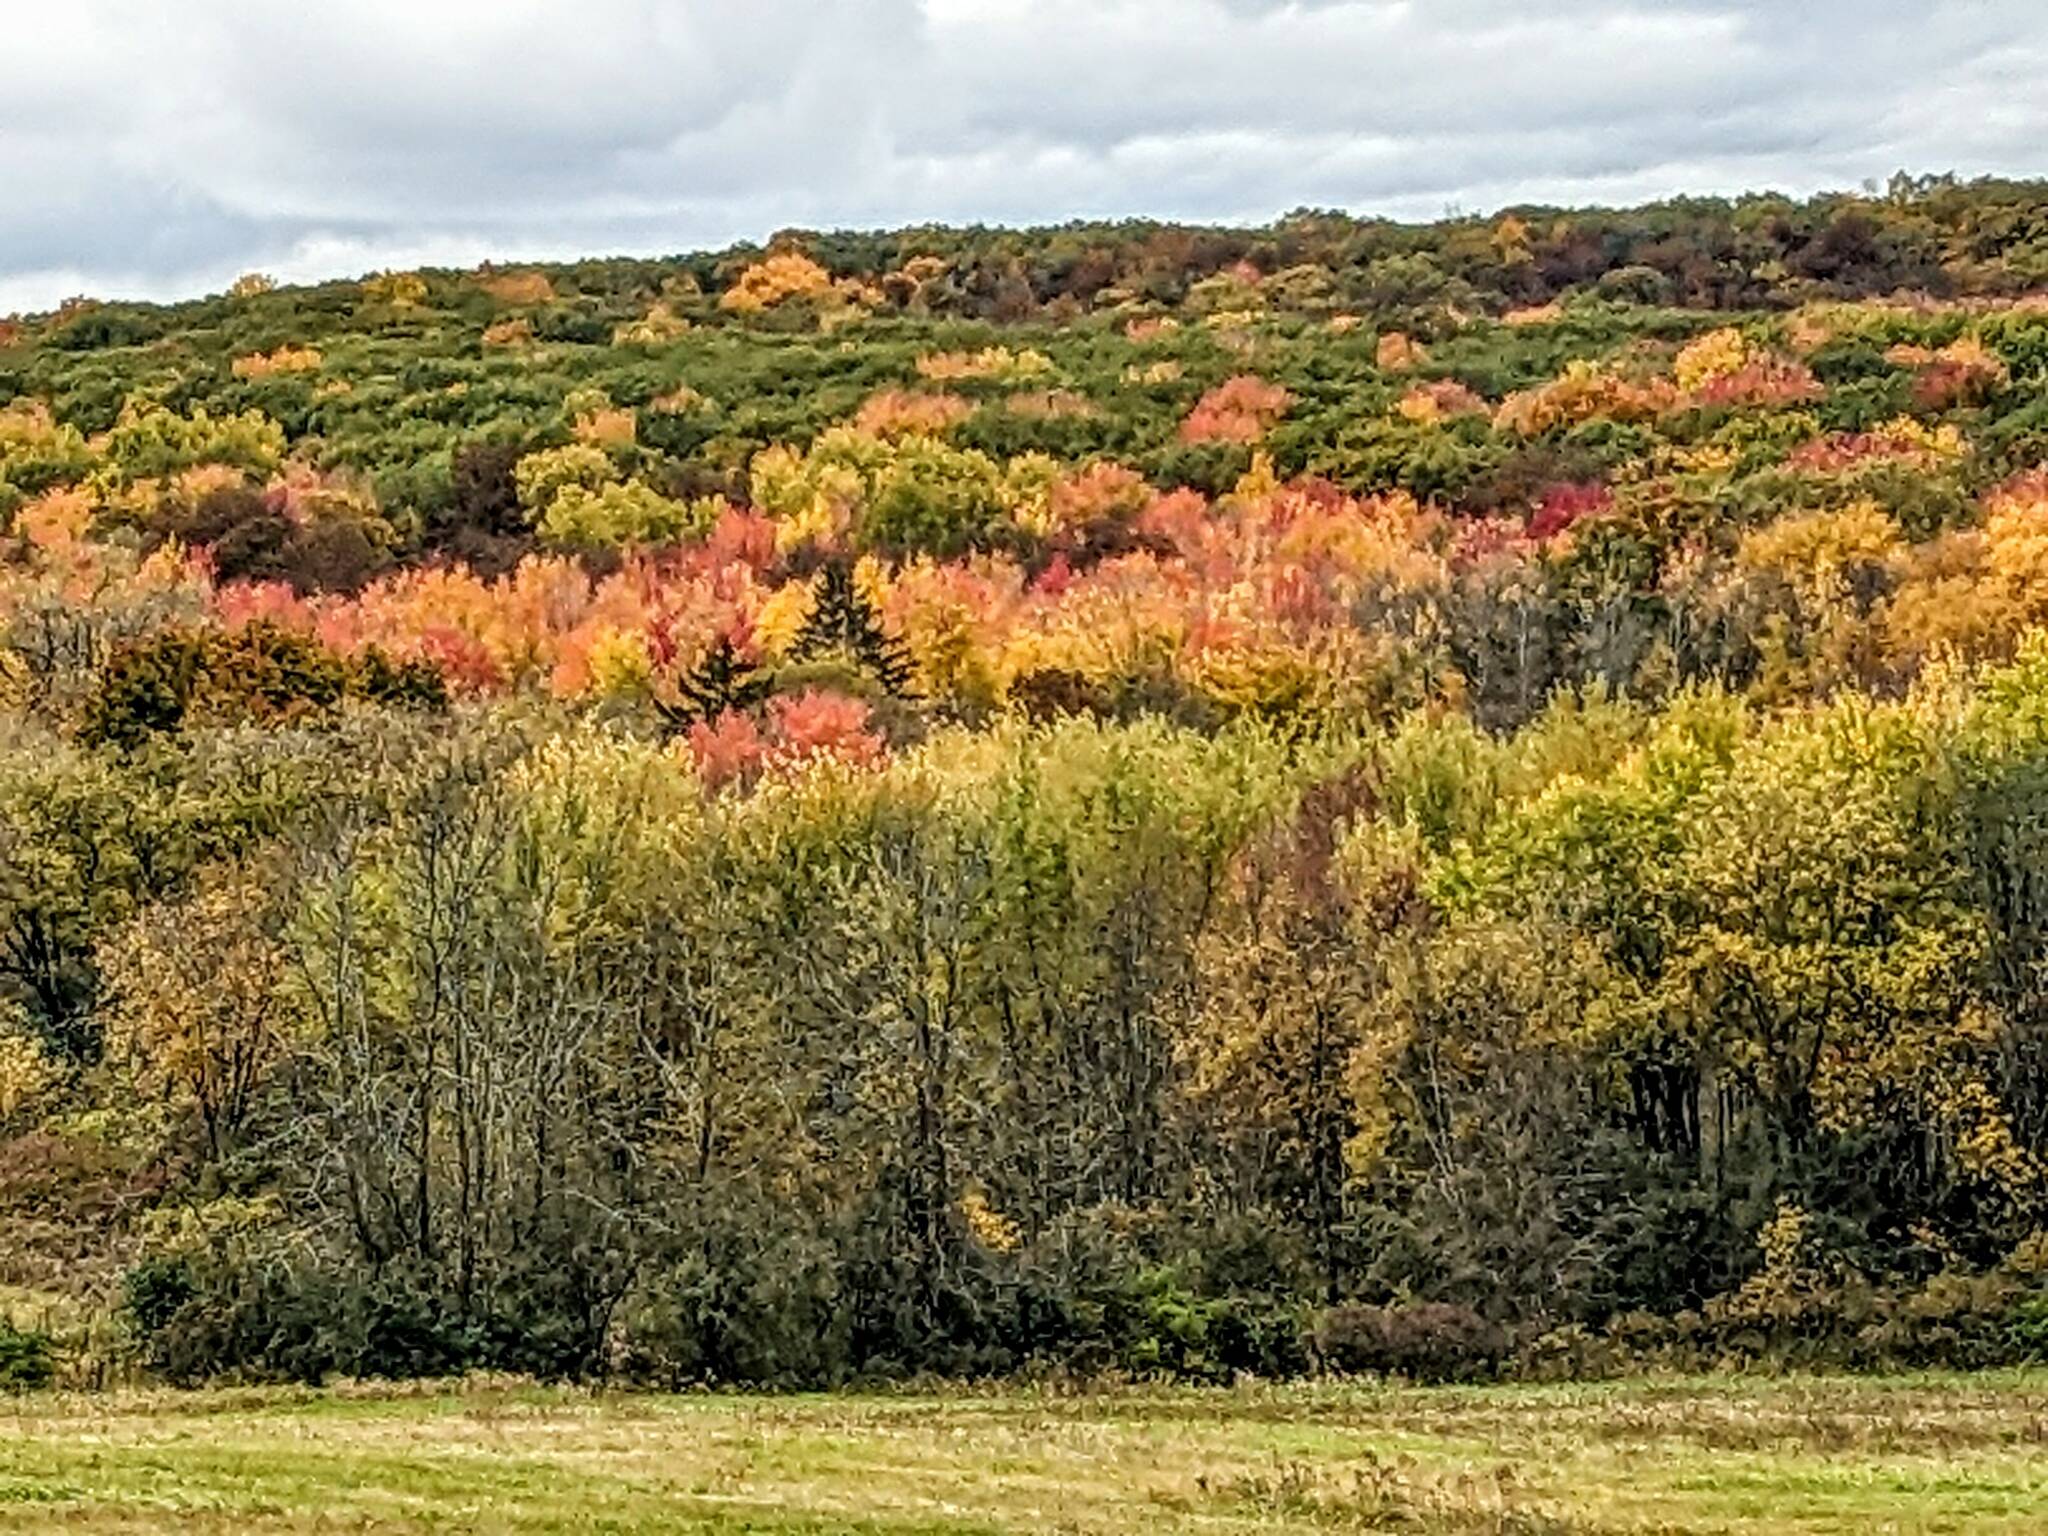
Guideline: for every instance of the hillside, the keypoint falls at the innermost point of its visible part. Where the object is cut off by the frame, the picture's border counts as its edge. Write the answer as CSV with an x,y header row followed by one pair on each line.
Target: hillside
x,y
1454,798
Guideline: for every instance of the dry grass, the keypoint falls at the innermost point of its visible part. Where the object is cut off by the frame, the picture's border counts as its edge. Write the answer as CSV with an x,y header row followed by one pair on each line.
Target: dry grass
x,y
1923,1455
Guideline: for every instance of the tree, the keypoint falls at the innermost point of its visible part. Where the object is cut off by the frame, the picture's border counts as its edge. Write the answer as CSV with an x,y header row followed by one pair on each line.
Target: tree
x,y
196,1006
842,621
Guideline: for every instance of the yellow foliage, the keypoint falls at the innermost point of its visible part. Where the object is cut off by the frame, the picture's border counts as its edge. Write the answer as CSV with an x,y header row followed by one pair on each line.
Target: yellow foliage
x,y
198,996
26,1072
1945,442
1819,544
619,663
781,617
400,290
1715,355
1165,371
620,515
659,327
996,362
541,477
286,359
1259,675
679,401
1511,241
811,501
777,279
1431,404
1259,480
988,1226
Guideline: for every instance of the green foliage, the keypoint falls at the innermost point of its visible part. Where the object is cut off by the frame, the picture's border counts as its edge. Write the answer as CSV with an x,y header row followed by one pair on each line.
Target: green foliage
x,y
28,1360
1107,895
842,621
1424,1342
719,682
257,673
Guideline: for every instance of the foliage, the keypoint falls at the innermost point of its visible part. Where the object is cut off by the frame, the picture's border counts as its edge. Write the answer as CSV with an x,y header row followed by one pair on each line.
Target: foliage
x,y
1125,798
28,1360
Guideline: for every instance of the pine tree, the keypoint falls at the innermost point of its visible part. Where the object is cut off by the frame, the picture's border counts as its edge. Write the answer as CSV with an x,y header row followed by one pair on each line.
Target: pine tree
x,y
843,619
720,681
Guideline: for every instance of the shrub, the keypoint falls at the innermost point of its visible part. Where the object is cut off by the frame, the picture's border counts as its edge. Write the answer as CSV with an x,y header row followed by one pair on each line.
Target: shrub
x,y
1429,1341
28,1360
258,672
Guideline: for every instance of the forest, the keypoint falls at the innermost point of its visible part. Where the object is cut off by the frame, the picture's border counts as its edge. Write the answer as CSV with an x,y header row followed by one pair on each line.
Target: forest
x,y
1465,800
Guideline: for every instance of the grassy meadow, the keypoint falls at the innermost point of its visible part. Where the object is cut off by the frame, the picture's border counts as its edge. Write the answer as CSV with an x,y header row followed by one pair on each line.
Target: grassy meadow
x,y
1920,1454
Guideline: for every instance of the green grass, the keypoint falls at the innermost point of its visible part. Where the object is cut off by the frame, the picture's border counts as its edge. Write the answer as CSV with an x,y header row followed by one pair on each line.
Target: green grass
x,y
1865,1456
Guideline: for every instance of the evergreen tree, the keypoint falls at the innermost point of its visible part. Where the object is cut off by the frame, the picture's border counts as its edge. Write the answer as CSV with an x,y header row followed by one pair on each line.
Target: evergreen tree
x,y
720,681
843,619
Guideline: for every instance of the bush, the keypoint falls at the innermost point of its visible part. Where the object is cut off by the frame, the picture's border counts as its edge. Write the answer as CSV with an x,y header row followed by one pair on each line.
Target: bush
x,y
257,1316
257,673
28,1360
1429,1341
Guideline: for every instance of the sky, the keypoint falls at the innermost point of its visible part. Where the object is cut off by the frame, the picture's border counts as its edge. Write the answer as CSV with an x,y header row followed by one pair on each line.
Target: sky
x,y
158,150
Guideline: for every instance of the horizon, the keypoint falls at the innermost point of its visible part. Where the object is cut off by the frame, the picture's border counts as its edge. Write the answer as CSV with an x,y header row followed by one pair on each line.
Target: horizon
x,y
153,154
1870,188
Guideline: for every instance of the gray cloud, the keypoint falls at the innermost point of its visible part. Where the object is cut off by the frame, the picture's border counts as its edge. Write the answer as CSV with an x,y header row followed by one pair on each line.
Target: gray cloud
x,y
158,150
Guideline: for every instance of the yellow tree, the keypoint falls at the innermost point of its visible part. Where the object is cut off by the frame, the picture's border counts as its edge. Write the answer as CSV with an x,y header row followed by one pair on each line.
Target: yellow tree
x,y
196,1012
1288,987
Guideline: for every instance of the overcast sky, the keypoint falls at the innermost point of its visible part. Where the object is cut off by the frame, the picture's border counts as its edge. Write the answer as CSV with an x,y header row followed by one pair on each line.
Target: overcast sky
x,y
158,149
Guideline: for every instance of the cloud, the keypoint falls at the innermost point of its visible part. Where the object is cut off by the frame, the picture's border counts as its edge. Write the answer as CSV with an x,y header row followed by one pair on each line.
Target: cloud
x,y
158,150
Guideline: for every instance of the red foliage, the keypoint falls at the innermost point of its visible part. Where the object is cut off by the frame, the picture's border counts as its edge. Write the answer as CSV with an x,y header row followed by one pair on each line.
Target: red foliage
x,y
1562,506
1763,381
816,724
1846,450
1057,576
728,748
263,602
1239,410
464,659
737,538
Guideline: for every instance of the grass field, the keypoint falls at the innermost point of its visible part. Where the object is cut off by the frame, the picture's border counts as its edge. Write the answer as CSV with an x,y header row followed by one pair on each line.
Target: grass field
x,y
1864,1456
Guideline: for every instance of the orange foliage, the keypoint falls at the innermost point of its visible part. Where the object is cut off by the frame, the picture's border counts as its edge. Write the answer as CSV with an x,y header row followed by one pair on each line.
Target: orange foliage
x,y
610,424
726,749
1246,601
516,332
1397,352
286,359
1239,410
816,724
517,287
1583,392
1760,382
1961,373
1100,491
897,413
777,279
